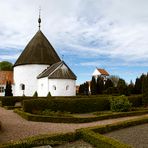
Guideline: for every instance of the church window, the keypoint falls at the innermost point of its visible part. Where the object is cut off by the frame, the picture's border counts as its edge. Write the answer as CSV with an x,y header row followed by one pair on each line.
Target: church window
x,y
67,87
2,89
22,86
54,87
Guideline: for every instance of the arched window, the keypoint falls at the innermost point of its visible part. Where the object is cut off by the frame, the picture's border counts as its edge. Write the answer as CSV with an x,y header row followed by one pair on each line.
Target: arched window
x,y
54,87
22,86
67,87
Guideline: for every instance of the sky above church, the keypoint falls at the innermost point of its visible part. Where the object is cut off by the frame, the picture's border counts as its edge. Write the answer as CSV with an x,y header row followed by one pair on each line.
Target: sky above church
x,y
109,34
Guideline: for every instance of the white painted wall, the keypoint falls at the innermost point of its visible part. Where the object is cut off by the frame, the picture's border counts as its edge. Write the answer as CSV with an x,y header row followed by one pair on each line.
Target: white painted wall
x,y
3,94
96,73
45,85
27,74
60,85
42,86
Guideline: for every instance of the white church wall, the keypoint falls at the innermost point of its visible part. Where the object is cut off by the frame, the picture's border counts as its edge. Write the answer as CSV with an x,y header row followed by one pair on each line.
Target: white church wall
x,y
27,75
96,73
42,88
62,87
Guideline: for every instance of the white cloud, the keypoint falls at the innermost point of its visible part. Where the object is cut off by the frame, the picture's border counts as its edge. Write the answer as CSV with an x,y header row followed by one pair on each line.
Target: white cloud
x,y
111,28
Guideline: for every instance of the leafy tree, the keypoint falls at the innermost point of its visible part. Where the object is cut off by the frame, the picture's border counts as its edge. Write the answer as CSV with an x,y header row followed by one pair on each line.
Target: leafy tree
x,y
6,66
8,90
100,85
93,86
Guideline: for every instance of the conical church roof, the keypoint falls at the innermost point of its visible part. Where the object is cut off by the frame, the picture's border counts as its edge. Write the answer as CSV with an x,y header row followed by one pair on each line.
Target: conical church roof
x,y
38,51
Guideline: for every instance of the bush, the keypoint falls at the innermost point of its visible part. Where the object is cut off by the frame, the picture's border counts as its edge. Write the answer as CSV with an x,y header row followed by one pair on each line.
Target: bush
x,y
49,94
81,105
120,104
35,94
8,101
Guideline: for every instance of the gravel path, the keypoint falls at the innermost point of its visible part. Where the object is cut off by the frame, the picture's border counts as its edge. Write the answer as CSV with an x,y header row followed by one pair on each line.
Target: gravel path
x,y
137,136
15,128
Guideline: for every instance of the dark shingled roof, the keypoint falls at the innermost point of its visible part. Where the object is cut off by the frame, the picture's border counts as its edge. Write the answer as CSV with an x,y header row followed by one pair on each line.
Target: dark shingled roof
x,y
38,51
58,71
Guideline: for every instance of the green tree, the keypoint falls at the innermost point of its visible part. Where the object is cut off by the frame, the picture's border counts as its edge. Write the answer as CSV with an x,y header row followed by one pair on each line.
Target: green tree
x,y
6,66
8,89
122,87
145,90
131,88
93,86
108,84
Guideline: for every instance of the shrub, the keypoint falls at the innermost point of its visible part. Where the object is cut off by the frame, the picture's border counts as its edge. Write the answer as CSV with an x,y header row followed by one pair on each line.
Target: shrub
x,y
8,101
120,104
79,105
35,94
49,94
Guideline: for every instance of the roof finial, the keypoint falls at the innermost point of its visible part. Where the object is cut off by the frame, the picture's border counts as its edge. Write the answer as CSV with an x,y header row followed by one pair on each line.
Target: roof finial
x,y
39,20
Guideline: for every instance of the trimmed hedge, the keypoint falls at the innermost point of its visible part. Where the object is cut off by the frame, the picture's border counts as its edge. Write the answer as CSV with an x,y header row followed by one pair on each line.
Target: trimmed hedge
x,y
101,141
119,125
10,101
136,100
43,118
82,105
53,140
87,134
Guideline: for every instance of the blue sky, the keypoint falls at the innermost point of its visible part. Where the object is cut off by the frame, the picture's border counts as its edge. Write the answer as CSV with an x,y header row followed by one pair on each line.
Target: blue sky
x,y
110,34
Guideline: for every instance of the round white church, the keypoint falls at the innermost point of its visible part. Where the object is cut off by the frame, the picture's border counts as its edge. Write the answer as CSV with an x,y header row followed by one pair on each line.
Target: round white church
x,y
39,69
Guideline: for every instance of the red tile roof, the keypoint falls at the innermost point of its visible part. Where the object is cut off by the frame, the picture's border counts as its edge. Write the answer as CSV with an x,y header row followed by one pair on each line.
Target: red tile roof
x,y
103,72
6,76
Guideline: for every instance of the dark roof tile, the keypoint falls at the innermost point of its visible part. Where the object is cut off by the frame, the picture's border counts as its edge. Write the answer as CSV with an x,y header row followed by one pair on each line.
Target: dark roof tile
x,y
38,51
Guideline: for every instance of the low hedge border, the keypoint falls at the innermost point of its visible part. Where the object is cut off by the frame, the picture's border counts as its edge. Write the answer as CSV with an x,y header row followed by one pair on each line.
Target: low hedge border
x,y
101,141
87,134
41,118
119,125
52,140
11,107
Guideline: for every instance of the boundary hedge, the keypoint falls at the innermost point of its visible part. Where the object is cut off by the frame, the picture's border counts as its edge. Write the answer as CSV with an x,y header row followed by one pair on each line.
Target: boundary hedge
x,y
41,118
81,105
